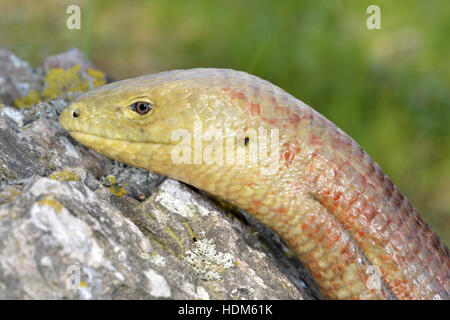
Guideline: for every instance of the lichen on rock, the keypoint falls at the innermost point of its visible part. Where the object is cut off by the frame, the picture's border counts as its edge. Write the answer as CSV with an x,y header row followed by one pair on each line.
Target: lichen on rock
x,y
61,83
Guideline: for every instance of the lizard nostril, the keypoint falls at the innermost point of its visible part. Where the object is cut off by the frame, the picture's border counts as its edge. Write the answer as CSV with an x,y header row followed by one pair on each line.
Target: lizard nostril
x,y
76,113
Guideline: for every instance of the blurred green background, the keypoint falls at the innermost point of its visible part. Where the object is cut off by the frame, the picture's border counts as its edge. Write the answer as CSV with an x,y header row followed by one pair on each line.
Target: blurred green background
x,y
388,88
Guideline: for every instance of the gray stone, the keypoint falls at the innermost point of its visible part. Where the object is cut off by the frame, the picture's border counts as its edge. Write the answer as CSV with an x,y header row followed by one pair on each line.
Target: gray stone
x,y
17,77
68,59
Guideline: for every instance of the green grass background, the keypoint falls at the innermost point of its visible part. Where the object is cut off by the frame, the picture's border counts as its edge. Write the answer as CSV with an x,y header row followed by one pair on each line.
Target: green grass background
x,y
388,88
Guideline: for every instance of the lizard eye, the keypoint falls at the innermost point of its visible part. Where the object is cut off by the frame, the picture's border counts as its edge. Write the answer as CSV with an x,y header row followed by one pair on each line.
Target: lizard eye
x,y
141,107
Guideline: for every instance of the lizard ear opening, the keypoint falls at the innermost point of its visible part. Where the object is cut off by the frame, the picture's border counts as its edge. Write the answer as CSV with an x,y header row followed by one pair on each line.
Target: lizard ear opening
x,y
141,107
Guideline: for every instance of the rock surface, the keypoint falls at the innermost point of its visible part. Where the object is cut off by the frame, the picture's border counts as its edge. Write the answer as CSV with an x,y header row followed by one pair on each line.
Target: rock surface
x,y
76,225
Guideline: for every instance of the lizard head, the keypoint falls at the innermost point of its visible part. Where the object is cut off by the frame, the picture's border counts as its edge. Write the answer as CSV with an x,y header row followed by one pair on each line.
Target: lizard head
x,y
141,121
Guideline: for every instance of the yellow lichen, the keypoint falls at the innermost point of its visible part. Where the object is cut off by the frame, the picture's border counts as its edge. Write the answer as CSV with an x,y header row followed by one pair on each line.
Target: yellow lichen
x,y
83,284
289,253
285,287
65,176
32,98
172,234
117,191
9,193
98,77
112,179
190,231
58,82
51,202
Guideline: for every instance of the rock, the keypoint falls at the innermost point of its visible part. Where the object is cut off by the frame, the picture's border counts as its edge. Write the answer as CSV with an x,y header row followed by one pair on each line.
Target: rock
x,y
67,60
17,78
76,225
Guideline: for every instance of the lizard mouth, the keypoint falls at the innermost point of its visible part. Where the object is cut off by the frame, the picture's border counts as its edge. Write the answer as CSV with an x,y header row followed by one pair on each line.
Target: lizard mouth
x,y
92,140
111,147
134,153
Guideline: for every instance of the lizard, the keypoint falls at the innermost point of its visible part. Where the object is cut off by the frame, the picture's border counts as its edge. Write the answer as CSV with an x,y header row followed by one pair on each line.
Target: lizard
x,y
321,192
